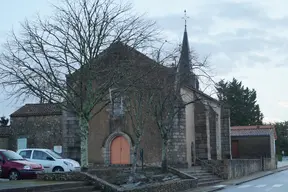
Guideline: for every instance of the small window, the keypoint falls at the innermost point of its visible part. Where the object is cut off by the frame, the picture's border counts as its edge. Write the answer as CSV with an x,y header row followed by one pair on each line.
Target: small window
x,y
26,154
117,102
40,155
1,158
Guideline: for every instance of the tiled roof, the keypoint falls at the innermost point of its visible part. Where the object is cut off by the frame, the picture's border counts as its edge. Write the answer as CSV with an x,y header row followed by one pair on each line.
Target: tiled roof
x,y
256,130
42,109
253,127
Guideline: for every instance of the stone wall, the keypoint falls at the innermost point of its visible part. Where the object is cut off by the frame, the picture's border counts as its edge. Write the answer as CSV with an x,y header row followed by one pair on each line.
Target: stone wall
x,y
225,132
64,176
177,154
236,168
212,124
200,131
71,138
5,131
4,137
241,167
269,163
40,131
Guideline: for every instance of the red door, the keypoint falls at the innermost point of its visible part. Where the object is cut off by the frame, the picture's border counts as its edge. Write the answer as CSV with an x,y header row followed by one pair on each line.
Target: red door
x,y
235,149
120,151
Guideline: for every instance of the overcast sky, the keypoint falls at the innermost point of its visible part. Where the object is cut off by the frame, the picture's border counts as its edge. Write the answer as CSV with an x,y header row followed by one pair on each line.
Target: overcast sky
x,y
246,39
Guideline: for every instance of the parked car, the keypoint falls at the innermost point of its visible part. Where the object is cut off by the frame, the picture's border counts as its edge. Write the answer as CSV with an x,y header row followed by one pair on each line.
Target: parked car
x,y
15,167
51,161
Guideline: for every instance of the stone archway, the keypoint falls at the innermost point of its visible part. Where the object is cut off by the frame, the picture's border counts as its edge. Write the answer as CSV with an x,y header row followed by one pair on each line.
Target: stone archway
x,y
113,143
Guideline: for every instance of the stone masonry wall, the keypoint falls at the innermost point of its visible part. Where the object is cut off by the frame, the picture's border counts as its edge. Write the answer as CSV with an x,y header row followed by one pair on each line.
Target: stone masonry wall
x,y
71,138
40,131
200,131
212,123
177,143
241,167
4,137
225,132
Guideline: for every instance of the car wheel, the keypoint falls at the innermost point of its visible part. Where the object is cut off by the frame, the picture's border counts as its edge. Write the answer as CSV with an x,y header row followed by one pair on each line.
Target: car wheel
x,y
14,175
58,169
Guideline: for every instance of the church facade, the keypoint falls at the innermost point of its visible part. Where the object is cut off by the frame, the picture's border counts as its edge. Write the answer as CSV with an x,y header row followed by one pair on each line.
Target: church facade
x,y
200,132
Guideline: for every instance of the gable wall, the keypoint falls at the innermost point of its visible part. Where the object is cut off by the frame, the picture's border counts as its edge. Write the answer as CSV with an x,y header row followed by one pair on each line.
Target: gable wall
x,y
100,129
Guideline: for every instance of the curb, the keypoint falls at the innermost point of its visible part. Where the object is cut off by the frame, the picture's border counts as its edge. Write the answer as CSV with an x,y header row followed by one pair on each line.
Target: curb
x,y
217,189
273,172
254,178
209,190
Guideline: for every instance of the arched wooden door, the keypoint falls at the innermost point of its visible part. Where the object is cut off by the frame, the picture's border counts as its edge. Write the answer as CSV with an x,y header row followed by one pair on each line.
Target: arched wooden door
x,y
120,151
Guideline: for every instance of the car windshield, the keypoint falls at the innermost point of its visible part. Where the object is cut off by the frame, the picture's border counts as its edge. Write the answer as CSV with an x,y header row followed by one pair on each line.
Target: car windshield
x,y
53,154
10,156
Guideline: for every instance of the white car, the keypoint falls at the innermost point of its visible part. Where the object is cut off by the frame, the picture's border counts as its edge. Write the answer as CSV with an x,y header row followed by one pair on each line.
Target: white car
x,y
51,161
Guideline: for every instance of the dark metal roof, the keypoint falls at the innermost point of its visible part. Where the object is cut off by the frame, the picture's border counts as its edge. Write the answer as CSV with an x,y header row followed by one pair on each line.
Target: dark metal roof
x,y
42,109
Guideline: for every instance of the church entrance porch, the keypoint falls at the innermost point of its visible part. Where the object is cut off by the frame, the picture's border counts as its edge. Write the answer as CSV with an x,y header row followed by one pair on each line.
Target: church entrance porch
x,y
118,149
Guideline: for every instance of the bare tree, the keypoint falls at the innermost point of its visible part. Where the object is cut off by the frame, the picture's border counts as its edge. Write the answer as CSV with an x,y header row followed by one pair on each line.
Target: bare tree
x,y
68,59
138,100
169,100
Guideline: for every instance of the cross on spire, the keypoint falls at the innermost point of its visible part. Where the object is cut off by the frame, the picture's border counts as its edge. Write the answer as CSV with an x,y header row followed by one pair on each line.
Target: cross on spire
x,y
185,18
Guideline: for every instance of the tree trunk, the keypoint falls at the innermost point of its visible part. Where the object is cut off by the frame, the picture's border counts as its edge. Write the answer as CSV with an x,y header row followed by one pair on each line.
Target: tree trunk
x,y
134,162
164,165
84,132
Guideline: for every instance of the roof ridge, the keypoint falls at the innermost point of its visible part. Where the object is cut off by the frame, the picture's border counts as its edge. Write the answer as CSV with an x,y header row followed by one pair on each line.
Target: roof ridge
x,y
41,103
38,109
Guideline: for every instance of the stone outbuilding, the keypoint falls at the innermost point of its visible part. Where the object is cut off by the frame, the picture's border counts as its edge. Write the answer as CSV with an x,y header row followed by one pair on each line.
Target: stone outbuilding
x,y
253,142
36,125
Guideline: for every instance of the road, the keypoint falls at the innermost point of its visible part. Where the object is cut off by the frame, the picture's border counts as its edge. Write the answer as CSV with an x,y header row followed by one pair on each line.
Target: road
x,y
277,182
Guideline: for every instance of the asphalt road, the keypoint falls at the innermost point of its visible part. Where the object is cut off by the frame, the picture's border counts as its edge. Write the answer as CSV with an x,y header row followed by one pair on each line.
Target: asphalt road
x,y
277,182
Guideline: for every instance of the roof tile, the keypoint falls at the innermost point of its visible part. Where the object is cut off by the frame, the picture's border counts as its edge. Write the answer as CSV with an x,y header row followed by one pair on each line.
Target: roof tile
x,y
256,130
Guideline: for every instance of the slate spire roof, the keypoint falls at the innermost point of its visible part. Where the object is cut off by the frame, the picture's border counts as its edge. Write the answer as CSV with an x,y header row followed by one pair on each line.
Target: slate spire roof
x,y
185,65
184,61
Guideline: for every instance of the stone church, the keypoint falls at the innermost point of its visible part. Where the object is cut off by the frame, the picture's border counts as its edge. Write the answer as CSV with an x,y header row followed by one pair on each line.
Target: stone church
x,y
201,132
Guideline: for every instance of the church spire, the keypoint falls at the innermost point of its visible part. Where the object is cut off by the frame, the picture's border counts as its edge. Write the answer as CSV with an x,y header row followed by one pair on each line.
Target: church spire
x,y
185,20
184,65
184,61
